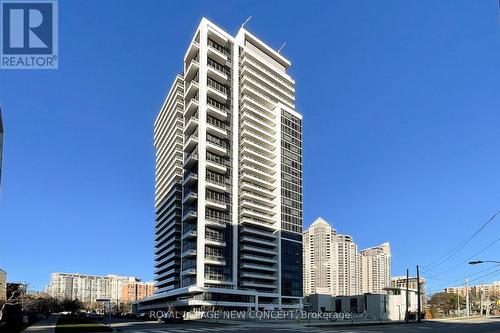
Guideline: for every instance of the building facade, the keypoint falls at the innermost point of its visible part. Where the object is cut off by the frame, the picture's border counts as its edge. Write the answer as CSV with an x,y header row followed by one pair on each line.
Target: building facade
x,y
136,291
400,281
228,145
376,268
320,259
390,305
87,288
349,265
332,264
487,290
3,285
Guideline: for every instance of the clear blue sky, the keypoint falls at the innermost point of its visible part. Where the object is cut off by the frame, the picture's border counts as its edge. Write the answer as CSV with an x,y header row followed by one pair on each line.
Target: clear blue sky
x,y
401,109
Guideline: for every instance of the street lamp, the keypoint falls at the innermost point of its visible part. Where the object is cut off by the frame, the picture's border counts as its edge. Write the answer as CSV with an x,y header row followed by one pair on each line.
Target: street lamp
x,y
483,261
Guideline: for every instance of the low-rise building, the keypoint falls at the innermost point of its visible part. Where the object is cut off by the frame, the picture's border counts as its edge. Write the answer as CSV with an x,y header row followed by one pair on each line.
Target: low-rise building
x,y
400,281
388,306
487,290
137,291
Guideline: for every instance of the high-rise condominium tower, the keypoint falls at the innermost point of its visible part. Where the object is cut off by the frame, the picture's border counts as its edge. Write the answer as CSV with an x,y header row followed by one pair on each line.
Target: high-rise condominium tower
x,y
331,261
228,142
349,271
320,258
376,268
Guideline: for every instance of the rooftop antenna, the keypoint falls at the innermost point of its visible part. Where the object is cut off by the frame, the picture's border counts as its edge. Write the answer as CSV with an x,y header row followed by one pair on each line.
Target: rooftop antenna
x,y
282,46
248,19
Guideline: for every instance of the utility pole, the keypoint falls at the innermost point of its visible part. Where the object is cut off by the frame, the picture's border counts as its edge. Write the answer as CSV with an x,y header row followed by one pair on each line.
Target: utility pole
x,y
467,297
419,300
407,317
458,304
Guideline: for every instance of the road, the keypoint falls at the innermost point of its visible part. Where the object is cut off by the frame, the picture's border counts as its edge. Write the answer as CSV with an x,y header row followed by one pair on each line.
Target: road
x,y
490,325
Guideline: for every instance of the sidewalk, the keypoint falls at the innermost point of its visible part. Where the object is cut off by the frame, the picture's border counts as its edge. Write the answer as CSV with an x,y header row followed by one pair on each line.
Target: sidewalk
x,y
43,326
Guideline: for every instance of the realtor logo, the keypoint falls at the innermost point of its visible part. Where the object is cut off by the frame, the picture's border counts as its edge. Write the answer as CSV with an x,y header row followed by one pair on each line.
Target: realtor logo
x,y
29,35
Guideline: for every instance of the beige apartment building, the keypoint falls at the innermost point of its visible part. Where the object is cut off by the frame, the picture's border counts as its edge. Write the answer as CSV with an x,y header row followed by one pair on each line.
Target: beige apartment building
x,y
3,285
136,291
491,289
332,264
87,288
376,269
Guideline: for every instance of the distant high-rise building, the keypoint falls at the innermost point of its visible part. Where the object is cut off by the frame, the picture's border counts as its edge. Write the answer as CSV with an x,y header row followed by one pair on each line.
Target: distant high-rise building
x,y
3,285
228,196
331,261
349,269
87,288
376,268
320,259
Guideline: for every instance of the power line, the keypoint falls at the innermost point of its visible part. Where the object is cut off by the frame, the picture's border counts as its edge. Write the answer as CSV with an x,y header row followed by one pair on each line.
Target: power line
x,y
470,258
460,246
469,275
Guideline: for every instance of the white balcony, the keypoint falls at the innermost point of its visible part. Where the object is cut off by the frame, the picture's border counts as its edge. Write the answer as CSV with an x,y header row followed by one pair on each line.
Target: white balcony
x,y
261,131
216,54
268,153
216,112
251,118
216,131
257,250
190,179
247,186
217,74
191,71
258,276
216,185
261,140
266,268
216,148
189,234
255,222
258,285
216,223
215,261
191,159
259,258
215,242
258,163
253,106
263,208
191,125
279,82
260,98
266,200
248,150
215,204
191,215
251,177
191,142
252,231
191,107
192,51
217,167
189,271
259,241
258,218
191,90
190,197
216,94
189,253
260,82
